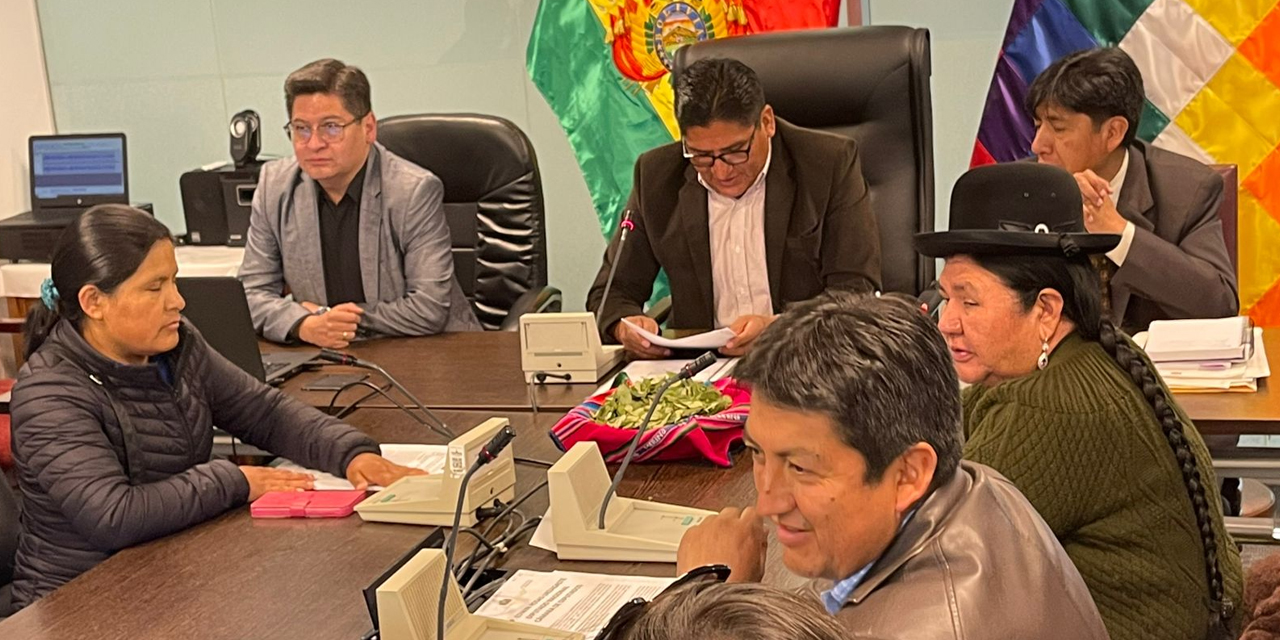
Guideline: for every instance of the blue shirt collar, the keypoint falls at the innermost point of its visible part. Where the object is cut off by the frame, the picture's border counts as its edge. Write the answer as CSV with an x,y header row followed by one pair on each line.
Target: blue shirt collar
x,y
834,598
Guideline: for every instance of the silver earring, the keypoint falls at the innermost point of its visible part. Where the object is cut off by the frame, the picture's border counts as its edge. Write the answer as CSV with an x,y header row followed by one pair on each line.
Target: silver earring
x,y
1043,360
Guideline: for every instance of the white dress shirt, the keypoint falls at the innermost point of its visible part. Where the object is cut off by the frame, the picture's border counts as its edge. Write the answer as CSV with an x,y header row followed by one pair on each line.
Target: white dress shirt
x,y
739,272
1118,254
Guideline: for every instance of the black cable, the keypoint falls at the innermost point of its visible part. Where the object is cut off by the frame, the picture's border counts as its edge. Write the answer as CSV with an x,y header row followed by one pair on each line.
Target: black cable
x,y
534,463
508,510
500,547
403,408
351,407
483,592
451,544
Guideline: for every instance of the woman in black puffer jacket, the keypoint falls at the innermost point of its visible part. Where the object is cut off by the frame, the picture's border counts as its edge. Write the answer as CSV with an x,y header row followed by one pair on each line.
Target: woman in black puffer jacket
x,y
113,413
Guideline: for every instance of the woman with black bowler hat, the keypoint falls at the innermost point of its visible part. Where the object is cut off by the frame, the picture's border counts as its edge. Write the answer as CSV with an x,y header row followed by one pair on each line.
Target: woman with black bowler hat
x,y
113,413
1073,413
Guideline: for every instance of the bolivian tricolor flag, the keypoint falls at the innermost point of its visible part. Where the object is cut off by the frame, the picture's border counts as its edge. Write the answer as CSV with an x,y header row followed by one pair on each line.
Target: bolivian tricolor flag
x,y
1211,70
603,67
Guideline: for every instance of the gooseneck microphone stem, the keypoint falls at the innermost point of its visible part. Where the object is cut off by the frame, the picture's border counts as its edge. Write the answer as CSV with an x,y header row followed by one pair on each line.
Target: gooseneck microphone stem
x,y
486,455
347,359
626,226
688,371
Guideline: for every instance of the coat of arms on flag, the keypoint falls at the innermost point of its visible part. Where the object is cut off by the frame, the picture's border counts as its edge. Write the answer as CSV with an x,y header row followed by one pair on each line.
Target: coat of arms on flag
x,y
604,67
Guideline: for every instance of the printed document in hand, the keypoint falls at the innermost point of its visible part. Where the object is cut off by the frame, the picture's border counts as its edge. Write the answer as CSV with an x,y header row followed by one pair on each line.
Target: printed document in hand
x,y
709,340
428,457
567,600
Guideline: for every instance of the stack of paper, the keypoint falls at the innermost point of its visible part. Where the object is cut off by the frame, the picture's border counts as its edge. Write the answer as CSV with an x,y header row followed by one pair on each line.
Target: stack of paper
x,y
567,600
1223,354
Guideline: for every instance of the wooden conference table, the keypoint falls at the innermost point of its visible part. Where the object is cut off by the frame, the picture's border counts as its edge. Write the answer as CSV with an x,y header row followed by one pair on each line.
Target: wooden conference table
x,y
465,371
236,577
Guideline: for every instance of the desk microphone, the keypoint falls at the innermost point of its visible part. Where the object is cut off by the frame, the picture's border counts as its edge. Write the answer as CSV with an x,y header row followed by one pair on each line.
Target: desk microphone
x,y
686,372
626,226
337,357
487,454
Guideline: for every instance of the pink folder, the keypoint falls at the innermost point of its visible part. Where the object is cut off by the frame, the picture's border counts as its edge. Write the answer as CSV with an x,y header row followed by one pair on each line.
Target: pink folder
x,y
306,504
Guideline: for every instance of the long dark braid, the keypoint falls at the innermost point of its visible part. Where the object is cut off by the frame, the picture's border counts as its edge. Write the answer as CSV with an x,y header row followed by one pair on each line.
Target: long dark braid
x,y
1077,282
1132,363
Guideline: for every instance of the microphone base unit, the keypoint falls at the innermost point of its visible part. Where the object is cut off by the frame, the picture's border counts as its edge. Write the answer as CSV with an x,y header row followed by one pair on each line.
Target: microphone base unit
x,y
565,343
431,499
635,530
401,615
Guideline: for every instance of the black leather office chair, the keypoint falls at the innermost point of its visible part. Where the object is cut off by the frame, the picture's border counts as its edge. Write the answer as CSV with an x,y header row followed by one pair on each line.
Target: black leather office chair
x,y
493,202
870,84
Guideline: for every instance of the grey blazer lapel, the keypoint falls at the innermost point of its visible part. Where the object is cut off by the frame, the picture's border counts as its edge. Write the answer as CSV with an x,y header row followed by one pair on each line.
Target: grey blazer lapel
x,y
691,209
1135,204
371,227
303,264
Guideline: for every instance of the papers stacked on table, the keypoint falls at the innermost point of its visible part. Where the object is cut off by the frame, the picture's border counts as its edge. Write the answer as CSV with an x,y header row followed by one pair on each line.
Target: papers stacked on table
x,y
1222,354
568,600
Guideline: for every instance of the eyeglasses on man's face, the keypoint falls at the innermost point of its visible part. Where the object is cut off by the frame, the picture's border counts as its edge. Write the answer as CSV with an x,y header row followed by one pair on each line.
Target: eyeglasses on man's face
x,y
627,615
731,158
330,130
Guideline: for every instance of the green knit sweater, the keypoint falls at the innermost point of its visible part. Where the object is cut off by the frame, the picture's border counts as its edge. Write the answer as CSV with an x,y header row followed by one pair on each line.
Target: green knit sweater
x,y
1082,443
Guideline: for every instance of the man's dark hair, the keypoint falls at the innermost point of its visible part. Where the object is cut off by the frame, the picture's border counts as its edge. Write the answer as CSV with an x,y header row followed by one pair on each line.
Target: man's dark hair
x,y
718,89
1100,83
876,367
330,76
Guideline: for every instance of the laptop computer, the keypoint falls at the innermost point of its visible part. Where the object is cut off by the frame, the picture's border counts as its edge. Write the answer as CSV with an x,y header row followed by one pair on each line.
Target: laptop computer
x,y
219,309
70,173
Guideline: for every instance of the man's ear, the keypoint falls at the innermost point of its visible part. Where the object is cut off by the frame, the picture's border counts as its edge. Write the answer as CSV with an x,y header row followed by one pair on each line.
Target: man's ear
x,y
1114,130
767,121
370,125
914,473
92,301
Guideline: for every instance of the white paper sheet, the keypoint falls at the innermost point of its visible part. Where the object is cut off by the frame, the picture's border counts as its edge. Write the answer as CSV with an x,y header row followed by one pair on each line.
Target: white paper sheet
x,y
568,600
428,457
709,340
543,536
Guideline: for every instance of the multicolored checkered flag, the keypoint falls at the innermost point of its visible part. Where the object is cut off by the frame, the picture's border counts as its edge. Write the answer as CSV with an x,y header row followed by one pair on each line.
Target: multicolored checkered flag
x,y
1212,74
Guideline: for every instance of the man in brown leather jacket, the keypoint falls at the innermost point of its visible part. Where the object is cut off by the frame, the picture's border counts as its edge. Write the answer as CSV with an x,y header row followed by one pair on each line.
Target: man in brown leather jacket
x,y
855,438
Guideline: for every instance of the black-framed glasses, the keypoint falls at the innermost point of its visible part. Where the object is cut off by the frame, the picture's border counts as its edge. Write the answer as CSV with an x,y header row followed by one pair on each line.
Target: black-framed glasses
x,y
628,613
329,131
731,158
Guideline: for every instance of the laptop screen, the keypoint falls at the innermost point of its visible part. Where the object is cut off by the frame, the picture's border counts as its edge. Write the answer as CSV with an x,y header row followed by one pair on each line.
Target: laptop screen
x,y
78,170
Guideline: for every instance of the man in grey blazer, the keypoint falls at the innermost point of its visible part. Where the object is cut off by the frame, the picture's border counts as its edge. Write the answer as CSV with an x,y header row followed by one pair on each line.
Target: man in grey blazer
x,y
346,239
1172,261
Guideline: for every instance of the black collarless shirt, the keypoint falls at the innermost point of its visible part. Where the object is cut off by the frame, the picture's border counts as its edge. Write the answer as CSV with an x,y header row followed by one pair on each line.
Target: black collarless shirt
x,y
340,243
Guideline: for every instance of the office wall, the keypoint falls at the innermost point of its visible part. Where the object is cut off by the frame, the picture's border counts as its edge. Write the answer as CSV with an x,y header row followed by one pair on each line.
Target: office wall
x,y
965,36
25,108
170,73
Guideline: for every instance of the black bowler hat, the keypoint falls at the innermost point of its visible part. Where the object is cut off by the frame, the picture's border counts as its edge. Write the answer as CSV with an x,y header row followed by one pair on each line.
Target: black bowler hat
x,y
1018,208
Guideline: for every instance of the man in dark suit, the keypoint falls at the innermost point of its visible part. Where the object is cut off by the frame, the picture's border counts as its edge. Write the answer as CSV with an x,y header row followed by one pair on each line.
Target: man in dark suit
x,y
1172,261
746,214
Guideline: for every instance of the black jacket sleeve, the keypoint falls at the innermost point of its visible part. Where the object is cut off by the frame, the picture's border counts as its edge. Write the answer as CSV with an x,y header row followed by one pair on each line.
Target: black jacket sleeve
x,y
268,419
58,436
